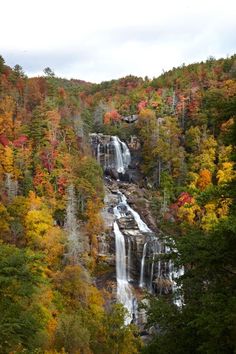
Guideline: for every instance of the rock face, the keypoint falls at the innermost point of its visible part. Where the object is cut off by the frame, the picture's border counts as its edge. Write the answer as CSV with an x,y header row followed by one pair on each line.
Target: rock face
x,y
142,246
115,158
130,248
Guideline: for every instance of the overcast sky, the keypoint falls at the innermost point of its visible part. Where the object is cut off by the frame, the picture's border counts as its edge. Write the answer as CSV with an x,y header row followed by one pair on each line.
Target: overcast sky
x,y
106,39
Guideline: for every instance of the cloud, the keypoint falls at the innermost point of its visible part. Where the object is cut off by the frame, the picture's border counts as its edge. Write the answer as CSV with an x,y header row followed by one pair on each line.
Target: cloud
x,y
101,40
34,61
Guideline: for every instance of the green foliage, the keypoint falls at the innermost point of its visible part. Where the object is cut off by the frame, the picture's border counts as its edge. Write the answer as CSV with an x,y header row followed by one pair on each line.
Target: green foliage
x,y
71,334
206,322
21,320
118,337
185,126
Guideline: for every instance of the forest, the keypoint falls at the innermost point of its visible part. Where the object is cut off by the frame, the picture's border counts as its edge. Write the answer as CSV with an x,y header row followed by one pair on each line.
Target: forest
x,y
52,195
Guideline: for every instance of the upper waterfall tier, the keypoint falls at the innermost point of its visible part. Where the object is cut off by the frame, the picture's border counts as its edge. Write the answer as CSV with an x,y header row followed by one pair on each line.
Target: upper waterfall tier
x,y
111,152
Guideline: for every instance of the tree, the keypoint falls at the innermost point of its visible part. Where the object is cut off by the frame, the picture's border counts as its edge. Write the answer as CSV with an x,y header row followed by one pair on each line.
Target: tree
x,y
204,179
206,323
112,117
71,334
119,339
2,64
22,320
7,123
49,72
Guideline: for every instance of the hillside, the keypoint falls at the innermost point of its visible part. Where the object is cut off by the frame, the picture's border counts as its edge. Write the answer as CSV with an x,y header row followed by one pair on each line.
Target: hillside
x,y
53,198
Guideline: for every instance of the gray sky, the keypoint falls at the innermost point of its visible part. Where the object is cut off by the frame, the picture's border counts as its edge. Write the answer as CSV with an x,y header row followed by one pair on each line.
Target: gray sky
x,y
106,39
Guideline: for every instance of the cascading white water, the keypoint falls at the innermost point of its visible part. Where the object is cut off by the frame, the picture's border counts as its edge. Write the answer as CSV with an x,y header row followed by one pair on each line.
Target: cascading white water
x,y
173,275
129,259
141,224
141,282
98,153
119,159
152,272
114,155
119,211
124,292
156,249
146,275
125,154
122,155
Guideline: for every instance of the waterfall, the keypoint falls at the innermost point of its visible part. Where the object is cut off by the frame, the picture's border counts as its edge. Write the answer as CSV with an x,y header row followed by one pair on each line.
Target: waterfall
x,y
159,270
175,274
125,154
141,283
122,155
141,224
152,272
132,233
119,163
98,153
111,152
129,259
124,292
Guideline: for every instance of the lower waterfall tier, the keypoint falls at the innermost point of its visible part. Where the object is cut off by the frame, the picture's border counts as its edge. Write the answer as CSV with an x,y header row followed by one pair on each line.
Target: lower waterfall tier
x,y
135,251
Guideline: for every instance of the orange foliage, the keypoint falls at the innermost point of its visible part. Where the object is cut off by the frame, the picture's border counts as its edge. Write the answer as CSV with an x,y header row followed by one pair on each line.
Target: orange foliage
x,y
112,117
7,108
95,223
204,179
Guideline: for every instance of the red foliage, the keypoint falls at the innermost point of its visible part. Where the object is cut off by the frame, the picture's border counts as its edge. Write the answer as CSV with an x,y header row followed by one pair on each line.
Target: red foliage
x,y
184,198
20,141
48,159
61,183
4,140
142,105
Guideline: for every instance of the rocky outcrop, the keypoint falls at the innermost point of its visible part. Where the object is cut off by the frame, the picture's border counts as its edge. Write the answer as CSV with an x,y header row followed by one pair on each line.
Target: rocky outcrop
x,y
131,234
115,158
155,273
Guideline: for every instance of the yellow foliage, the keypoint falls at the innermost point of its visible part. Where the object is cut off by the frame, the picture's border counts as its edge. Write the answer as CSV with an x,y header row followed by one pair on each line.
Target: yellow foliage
x,y
226,173
34,201
72,282
37,223
8,160
206,158
188,212
210,219
4,220
146,114
193,177
96,302
225,153
53,245
94,224
223,207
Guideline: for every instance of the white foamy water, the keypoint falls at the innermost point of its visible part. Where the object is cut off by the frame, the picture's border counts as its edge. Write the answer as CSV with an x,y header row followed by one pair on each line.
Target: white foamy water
x,y
124,292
